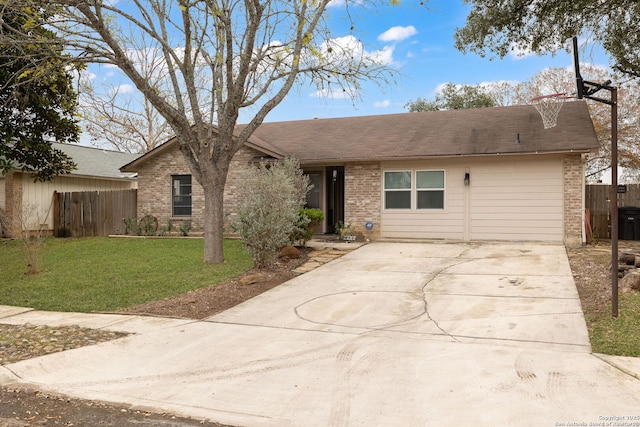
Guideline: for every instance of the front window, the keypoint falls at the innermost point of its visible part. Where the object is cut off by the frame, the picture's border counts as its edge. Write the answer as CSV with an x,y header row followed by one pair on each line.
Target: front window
x,y
397,190
181,195
430,189
417,190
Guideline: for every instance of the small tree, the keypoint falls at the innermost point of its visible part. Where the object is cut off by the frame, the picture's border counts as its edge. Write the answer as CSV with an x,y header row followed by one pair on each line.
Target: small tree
x,y
269,212
454,97
28,228
37,100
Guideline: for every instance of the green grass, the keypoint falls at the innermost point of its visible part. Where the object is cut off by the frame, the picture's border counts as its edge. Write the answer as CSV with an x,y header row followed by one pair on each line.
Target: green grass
x,y
618,336
106,274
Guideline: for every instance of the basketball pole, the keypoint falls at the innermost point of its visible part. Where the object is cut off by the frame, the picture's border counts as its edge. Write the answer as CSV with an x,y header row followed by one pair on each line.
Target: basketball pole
x,y
587,89
614,201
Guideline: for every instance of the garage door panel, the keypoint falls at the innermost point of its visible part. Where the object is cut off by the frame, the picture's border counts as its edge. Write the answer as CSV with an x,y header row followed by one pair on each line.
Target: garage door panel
x,y
504,195
508,218
522,200
517,205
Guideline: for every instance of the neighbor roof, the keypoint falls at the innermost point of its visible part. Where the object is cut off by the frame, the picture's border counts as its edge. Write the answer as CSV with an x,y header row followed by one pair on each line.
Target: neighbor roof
x,y
97,162
479,131
433,134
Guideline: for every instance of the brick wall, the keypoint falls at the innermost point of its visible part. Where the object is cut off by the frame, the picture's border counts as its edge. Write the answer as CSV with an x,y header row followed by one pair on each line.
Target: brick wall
x,y
573,199
154,187
362,194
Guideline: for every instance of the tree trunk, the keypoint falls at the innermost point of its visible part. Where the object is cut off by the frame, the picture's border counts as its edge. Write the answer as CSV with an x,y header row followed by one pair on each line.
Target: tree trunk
x,y
213,225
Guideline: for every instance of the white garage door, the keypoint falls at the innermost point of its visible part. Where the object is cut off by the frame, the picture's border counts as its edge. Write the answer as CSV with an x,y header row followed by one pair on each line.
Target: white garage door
x,y
517,199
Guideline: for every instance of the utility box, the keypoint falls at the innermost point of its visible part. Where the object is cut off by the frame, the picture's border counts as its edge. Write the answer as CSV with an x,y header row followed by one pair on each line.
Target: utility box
x,y
629,223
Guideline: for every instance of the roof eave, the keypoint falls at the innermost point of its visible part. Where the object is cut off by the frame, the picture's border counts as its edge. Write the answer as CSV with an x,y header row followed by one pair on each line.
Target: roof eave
x,y
342,160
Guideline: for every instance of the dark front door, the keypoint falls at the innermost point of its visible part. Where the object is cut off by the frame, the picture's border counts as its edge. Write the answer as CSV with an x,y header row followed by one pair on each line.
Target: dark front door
x,y
335,196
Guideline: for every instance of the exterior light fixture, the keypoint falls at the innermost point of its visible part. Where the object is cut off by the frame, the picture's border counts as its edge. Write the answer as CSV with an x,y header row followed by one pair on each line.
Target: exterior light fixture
x,y
518,138
467,178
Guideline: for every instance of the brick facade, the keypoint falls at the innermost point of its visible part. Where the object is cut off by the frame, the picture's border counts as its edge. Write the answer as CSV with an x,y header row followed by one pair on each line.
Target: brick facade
x,y
154,187
363,197
573,166
362,187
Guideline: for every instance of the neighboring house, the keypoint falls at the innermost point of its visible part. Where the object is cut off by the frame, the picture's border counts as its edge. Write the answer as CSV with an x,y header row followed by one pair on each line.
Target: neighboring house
x,y
97,170
476,174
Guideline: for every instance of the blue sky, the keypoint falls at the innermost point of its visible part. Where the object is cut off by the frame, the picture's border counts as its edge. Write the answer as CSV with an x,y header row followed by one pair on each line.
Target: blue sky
x,y
417,42
423,54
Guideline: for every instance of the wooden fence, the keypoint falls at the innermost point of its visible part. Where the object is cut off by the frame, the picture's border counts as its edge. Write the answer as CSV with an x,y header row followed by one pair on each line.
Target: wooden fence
x,y
597,201
92,213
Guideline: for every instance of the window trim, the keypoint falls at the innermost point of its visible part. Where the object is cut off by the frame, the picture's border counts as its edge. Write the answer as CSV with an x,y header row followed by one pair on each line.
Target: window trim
x,y
432,189
415,190
173,196
404,190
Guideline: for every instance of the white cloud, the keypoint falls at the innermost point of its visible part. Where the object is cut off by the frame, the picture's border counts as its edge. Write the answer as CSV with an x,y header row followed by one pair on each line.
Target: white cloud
x,y
384,56
396,34
338,93
87,76
125,88
349,48
336,3
382,104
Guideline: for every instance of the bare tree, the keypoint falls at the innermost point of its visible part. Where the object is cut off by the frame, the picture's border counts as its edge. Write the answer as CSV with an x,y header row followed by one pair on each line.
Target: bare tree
x,y
115,118
27,226
562,80
219,57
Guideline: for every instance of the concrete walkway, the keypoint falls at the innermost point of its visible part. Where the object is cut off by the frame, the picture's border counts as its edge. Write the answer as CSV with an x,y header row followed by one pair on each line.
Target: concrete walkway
x,y
393,334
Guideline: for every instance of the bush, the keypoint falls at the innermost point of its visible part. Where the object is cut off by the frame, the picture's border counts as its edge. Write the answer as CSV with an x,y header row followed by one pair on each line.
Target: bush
x,y
308,218
146,226
269,211
185,228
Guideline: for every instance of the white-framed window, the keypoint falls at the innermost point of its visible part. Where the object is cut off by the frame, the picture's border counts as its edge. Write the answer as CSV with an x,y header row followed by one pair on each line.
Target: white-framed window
x,y
397,190
430,189
181,195
414,189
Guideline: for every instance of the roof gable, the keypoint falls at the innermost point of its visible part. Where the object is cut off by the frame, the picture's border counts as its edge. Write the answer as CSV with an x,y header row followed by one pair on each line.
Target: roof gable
x,y
255,142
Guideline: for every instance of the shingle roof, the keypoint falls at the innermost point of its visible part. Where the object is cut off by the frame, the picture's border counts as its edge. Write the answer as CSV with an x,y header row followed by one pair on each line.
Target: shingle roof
x,y
480,131
97,162
433,134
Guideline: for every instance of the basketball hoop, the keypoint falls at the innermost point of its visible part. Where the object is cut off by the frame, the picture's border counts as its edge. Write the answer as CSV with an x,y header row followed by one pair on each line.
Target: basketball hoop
x,y
549,106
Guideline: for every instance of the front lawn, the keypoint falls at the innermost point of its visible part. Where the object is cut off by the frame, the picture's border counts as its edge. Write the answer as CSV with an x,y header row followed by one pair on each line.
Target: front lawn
x,y
108,274
618,336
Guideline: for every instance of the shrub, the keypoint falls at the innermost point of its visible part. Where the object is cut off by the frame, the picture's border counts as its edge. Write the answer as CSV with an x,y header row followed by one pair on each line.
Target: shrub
x,y
308,218
148,225
269,211
131,226
184,228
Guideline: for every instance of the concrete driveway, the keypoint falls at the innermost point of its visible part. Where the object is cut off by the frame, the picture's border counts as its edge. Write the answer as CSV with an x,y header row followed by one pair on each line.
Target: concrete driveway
x,y
393,334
